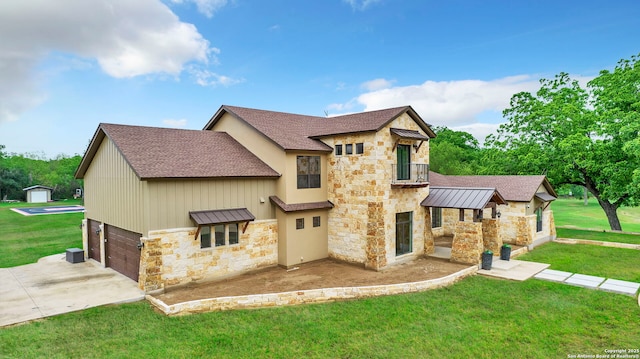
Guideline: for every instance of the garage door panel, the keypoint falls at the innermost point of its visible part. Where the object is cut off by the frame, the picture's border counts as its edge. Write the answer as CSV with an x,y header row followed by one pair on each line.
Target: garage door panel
x,y
122,251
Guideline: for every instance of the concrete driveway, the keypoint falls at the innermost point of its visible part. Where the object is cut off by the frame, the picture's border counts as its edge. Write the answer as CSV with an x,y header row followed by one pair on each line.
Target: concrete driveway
x,y
54,286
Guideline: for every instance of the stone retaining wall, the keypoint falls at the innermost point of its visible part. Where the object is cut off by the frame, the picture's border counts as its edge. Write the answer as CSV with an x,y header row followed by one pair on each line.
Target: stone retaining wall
x,y
322,295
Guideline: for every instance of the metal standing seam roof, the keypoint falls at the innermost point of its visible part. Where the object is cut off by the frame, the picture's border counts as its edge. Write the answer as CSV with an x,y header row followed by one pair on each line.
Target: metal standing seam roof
x,y
411,134
221,216
545,197
296,207
465,198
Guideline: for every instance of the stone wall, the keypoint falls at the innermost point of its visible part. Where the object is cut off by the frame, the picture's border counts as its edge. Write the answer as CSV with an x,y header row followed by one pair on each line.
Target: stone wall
x,y
491,234
525,230
467,244
429,234
323,295
150,275
183,261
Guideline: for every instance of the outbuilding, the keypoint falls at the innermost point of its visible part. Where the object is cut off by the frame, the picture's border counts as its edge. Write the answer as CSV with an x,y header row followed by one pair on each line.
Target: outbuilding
x,y
38,194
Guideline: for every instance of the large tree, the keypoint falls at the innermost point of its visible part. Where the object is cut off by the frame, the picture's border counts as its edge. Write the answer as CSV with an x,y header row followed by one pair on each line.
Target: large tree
x,y
586,136
453,152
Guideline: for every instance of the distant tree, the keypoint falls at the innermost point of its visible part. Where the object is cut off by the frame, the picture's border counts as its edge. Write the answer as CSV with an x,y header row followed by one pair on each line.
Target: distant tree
x,y
453,152
580,136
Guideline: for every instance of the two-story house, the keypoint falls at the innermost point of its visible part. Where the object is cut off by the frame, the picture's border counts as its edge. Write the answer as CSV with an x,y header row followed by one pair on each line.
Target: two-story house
x,y
259,188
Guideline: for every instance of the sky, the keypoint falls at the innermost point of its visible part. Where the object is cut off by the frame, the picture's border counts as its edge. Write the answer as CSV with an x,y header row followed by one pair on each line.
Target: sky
x,y
68,65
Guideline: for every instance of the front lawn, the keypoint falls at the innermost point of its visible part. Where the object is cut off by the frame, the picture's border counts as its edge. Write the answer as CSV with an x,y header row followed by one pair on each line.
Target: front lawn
x,y
616,263
572,212
478,317
598,236
25,239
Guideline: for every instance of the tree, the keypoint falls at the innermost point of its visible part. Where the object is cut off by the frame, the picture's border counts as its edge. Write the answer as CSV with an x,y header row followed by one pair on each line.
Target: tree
x,y
453,152
581,136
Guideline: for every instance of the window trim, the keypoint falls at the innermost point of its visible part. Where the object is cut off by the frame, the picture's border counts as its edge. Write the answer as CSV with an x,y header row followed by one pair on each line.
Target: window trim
x,y
317,221
311,178
359,148
299,223
349,149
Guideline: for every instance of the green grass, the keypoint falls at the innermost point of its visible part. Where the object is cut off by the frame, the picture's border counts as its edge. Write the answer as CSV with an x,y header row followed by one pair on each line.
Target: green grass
x,y
476,318
25,239
598,236
616,263
573,213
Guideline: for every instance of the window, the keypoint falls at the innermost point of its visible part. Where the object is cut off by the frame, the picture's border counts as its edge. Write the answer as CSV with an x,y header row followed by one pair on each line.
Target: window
x,y
338,150
205,237
404,162
436,217
404,239
300,223
219,234
359,148
316,221
308,171
349,149
539,219
233,233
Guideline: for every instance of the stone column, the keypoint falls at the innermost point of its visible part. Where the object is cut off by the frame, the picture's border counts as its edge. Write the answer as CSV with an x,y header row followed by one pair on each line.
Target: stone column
x,y
491,234
150,275
429,244
467,243
552,226
375,250
524,230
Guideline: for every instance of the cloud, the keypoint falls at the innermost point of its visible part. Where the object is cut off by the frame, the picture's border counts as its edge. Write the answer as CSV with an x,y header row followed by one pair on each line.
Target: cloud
x,y
479,130
450,103
208,78
377,84
125,38
175,123
360,5
206,7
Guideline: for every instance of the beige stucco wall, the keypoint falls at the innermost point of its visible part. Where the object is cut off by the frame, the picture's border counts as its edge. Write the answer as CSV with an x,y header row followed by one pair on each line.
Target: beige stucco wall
x,y
296,246
182,260
113,193
362,224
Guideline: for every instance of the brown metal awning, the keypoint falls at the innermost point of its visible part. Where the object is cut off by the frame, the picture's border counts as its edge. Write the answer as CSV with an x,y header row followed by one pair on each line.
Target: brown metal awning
x,y
462,197
221,216
296,207
409,134
545,197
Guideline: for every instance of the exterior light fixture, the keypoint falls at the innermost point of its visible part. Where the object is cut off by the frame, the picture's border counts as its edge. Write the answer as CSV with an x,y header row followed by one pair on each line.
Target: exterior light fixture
x,y
498,214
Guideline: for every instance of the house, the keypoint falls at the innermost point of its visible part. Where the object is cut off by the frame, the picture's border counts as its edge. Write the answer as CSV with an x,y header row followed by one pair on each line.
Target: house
x,y
38,194
260,188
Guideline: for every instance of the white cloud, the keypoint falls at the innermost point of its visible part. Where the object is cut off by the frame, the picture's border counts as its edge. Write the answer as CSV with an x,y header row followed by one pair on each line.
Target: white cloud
x,y
205,7
360,4
208,78
479,130
181,123
125,38
450,103
377,84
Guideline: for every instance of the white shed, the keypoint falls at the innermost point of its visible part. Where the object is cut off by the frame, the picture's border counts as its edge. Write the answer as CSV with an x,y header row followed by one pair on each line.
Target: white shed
x,y
38,194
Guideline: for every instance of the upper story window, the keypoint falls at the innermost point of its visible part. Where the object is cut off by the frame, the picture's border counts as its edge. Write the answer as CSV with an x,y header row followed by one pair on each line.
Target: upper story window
x,y
308,171
338,150
349,149
359,148
404,162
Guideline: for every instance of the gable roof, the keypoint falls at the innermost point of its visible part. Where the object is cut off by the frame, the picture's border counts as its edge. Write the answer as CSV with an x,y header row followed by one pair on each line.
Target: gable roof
x,y
465,198
512,188
37,187
154,152
301,132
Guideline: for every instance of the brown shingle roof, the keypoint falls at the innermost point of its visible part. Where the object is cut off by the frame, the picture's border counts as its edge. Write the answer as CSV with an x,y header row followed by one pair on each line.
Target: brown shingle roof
x,y
302,132
154,152
512,188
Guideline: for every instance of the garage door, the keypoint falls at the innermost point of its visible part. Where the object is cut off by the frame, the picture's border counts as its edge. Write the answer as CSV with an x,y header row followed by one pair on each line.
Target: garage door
x,y
121,250
94,240
38,196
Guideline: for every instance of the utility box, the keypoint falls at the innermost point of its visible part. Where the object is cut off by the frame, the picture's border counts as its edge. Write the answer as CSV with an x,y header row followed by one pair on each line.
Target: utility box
x,y
75,255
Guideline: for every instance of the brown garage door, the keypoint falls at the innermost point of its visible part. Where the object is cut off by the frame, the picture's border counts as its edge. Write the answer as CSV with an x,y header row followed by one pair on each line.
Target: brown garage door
x,y
94,240
121,250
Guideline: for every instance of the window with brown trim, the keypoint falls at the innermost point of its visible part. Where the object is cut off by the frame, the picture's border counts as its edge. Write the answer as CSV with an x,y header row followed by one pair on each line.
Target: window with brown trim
x,y
316,221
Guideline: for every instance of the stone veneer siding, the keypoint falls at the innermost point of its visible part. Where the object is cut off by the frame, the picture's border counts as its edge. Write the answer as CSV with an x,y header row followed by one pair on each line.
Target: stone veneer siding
x,y
322,295
362,222
467,244
491,234
174,257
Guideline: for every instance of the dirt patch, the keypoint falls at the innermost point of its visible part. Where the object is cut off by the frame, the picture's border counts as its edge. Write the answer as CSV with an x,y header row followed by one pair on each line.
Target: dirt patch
x,y
320,274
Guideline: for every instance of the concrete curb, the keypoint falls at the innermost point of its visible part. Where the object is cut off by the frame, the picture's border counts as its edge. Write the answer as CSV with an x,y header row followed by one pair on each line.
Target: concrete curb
x,y
321,295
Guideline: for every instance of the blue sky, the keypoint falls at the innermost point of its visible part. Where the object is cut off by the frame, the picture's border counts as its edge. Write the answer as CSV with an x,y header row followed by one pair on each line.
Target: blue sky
x,y
67,65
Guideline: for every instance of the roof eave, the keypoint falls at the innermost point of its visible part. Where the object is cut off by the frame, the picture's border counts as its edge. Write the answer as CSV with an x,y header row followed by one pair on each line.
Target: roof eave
x,y
91,151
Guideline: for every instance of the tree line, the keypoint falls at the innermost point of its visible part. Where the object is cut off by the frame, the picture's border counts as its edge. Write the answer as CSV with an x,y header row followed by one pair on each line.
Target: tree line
x,y
19,171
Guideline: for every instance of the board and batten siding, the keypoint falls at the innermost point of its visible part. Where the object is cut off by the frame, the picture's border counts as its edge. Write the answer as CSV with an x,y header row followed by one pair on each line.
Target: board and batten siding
x,y
171,200
113,192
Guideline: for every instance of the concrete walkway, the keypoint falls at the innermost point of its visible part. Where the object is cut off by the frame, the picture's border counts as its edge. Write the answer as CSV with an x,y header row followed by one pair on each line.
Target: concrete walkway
x,y
513,269
589,281
54,286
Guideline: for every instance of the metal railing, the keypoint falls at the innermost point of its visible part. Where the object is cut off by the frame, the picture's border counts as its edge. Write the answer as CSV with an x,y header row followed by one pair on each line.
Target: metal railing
x,y
409,173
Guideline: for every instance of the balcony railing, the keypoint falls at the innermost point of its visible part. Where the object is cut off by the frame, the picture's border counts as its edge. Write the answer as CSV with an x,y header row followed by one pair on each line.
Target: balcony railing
x,y
411,175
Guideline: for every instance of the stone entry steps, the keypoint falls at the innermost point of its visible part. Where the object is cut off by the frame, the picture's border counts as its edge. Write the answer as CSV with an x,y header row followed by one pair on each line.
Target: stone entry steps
x,y
589,281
